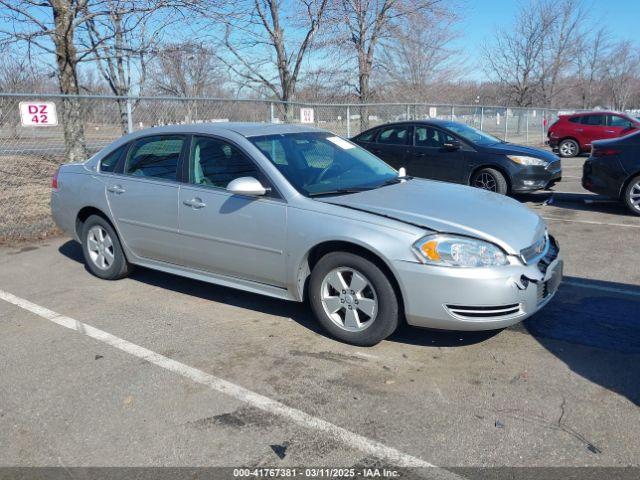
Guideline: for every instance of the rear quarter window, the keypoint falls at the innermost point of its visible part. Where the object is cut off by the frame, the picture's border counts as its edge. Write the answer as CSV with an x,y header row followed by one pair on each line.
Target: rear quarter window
x,y
108,163
367,136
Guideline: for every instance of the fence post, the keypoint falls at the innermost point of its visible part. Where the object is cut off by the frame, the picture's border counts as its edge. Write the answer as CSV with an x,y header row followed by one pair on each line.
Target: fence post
x,y
527,125
129,116
506,123
542,120
348,122
408,112
481,117
452,112
271,112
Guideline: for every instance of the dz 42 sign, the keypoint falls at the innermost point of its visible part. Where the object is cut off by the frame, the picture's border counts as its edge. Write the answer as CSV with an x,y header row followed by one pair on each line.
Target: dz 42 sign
x,y
38,114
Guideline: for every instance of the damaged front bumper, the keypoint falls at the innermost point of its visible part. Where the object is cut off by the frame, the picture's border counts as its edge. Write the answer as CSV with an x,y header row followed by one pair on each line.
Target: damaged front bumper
x,y
479,298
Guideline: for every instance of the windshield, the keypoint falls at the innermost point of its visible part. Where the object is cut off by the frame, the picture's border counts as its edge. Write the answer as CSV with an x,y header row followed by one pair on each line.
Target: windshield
x,y
317,163
471,134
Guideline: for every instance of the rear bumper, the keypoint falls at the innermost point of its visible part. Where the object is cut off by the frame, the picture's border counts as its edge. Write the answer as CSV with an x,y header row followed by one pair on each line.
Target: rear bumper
x,y
602,179
476,298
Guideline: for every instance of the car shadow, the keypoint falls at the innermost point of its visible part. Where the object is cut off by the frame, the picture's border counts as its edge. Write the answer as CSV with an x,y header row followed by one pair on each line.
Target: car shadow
x,y
594,328
298,312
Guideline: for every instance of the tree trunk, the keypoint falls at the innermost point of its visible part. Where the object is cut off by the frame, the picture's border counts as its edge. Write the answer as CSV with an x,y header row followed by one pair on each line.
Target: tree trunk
x,y
363,87
75,149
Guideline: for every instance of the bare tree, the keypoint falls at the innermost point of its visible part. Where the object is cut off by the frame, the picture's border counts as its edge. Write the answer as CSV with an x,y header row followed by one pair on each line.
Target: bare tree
x,y
563,20
514,59
360,26
590,65
120,42
419,58
265,43
50,26
187,70
622,72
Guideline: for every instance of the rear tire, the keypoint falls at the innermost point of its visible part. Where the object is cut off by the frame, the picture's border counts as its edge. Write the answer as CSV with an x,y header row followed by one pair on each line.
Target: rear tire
x,y
568,148
353,299
102,251
631,195
490,179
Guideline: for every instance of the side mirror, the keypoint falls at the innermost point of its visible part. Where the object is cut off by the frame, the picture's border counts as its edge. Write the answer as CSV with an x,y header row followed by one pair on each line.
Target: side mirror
x,y
452,145
248,186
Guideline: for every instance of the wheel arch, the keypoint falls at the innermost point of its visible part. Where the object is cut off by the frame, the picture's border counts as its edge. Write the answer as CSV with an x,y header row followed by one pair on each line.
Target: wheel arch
x,y
569,137
84,213
315,253
626,183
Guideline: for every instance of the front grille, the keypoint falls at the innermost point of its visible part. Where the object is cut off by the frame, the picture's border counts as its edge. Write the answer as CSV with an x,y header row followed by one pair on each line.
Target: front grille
x,y
484,311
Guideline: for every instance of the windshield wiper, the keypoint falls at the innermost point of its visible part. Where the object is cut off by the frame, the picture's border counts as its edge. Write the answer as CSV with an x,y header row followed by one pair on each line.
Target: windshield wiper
x,y
338,191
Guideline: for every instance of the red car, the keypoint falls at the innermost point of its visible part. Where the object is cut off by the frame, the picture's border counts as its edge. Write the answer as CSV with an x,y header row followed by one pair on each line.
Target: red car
x,y
573,134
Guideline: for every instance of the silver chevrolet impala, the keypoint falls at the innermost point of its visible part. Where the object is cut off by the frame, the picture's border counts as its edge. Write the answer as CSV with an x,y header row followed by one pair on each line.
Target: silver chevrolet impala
x,y
295,212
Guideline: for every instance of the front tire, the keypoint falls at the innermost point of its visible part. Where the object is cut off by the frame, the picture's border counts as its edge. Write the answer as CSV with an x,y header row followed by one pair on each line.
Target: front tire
x,y
490,179
102,251
631,195
568,148
353,299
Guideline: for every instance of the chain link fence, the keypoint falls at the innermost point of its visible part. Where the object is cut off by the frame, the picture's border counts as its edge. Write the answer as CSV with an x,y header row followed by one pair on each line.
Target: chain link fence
x,y
29,155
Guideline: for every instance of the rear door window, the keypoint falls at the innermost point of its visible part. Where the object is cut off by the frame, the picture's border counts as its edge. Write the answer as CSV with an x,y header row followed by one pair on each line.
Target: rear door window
x,y
618,121
431,137
576,119
593,120
397,135
155,157
108,164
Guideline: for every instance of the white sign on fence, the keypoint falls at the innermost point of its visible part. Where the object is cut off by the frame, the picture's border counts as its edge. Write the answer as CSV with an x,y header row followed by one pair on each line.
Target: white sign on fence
x,y
433,112
306,115
497,119
38,114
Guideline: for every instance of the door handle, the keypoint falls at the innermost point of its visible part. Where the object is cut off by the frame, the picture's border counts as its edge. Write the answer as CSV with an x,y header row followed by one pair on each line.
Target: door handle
x,y
419,155
579,129
195,203
117,189
611,131
377,151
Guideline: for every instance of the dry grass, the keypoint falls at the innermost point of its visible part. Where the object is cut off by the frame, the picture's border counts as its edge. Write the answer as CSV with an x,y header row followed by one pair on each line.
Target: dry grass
x,y
25,211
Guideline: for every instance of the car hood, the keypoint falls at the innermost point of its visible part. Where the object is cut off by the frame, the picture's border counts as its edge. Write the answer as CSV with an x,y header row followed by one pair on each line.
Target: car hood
x,y
513,149
450,208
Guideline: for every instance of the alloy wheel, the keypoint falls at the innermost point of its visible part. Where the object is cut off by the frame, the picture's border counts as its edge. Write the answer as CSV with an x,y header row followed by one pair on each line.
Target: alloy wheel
x,y
634,196
486,181
349,299
100,247
568,149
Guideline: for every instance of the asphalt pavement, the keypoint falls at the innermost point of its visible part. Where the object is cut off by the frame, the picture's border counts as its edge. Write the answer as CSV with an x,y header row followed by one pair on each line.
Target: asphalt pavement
x,y
158,370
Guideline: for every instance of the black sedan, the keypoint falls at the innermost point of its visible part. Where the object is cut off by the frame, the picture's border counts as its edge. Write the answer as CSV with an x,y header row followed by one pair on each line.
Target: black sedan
x,y
613,169
455,152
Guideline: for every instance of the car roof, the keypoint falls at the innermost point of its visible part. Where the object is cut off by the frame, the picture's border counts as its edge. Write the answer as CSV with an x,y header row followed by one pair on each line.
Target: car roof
x,y
594,112
431,121
246,129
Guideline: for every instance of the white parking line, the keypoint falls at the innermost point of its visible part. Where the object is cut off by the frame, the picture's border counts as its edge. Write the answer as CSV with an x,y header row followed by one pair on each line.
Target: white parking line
x,y
589,222
623,291
351,439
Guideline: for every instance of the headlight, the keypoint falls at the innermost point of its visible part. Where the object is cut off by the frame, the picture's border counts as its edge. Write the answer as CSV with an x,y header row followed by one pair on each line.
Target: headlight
x,y
524,160
454,251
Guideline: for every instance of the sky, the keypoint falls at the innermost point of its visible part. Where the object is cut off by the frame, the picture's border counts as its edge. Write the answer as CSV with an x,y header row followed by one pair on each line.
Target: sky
x,y
480,18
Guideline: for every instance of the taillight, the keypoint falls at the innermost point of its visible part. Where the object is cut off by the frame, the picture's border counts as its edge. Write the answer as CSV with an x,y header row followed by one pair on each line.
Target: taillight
x,y
54,180
605,152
